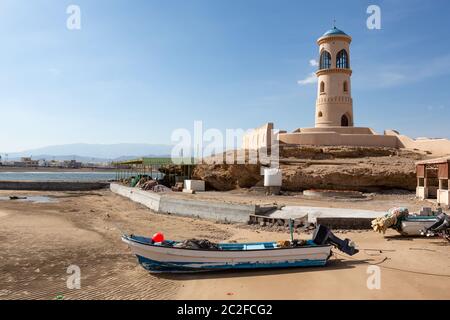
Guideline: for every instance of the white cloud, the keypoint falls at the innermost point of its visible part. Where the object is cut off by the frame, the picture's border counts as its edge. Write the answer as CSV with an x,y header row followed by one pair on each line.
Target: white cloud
x,y
314,63
308,80
377,76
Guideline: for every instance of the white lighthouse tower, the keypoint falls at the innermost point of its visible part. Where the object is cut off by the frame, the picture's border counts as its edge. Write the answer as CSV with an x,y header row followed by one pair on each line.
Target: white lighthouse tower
x,y
334,105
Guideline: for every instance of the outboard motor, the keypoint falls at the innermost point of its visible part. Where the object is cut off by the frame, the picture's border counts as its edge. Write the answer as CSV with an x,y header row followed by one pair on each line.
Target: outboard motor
x,y
441,226
322,235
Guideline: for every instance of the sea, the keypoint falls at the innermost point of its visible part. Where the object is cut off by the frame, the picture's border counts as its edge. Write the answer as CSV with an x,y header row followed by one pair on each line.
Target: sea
x,y
57,176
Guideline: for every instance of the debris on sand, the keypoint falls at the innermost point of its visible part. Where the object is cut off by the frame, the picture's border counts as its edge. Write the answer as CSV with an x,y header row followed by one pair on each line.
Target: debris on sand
x,y
390,219
16,198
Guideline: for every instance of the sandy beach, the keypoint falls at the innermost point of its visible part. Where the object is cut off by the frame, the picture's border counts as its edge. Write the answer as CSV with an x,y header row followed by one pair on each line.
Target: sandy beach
x,y
39,241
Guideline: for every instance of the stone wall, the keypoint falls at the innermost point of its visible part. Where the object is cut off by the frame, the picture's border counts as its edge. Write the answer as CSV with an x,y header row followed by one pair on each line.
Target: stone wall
x,y
438,147
217,211
338,139
258,138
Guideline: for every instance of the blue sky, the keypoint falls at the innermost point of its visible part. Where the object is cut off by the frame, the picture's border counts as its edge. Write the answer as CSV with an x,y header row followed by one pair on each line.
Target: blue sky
x,y
137,70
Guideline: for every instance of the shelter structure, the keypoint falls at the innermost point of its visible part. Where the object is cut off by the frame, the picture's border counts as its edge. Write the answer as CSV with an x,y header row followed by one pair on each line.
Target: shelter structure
x,y
433,180
169,169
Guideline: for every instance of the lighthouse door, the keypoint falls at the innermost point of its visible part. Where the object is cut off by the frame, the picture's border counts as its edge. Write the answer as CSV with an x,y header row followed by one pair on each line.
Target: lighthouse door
x,y
344,121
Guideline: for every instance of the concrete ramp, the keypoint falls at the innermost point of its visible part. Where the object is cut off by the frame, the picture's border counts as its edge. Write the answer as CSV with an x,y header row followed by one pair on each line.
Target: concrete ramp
x,y
165,203
331,217
240,213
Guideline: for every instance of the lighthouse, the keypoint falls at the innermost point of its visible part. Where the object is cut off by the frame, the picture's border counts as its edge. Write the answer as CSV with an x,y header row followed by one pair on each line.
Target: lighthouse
x,y
334,104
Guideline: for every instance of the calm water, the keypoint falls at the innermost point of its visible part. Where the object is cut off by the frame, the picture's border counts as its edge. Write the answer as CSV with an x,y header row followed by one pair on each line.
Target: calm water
x,y
34,199
57,176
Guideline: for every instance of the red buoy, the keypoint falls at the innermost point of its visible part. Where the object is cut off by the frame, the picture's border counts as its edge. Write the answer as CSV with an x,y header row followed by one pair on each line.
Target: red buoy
x,y
158,237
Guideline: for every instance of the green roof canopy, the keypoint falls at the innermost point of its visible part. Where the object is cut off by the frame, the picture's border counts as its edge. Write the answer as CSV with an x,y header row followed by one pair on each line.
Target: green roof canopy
x,y
157,161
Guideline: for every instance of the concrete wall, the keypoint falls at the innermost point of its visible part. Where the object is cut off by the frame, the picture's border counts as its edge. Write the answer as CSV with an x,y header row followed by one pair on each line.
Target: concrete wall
x,y
258,138
149,199
216,211
345,136
337,139
439,147
342,130
52,185
165,203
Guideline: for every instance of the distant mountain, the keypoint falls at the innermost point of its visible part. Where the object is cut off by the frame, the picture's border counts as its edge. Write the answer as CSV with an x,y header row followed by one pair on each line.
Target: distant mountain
x,y
94,152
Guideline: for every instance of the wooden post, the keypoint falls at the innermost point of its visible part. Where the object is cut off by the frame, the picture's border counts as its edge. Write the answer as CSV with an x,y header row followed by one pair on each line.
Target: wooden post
x,y
291,229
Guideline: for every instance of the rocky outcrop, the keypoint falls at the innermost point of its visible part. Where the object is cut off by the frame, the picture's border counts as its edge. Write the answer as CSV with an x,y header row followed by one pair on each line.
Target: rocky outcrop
x,y
344,152
336,168
358,176
225,177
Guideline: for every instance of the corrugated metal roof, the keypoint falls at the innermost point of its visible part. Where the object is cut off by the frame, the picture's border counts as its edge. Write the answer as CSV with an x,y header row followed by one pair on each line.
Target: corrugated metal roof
x,y
434,161
157,161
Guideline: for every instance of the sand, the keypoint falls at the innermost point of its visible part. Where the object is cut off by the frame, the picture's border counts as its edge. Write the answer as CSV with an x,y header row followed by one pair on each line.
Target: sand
x,y
39,241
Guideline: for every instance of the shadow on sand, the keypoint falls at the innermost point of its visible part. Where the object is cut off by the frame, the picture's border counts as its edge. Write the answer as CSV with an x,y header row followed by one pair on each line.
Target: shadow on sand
x,y
335,264
400,237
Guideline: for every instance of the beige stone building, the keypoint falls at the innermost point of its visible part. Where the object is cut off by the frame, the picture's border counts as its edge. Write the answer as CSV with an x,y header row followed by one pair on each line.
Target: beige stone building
x,y
334,119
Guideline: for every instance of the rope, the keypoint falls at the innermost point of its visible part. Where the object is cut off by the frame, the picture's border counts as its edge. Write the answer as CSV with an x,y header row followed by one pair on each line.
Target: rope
x,y
397,269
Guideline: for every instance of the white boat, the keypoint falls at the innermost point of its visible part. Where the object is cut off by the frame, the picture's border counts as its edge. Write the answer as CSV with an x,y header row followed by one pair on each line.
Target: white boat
x,y
413,225
167,257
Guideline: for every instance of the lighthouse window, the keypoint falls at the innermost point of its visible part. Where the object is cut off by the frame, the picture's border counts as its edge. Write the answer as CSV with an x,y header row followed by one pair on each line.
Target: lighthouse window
x,y
320,114
345,86
325,60
342,60
322,87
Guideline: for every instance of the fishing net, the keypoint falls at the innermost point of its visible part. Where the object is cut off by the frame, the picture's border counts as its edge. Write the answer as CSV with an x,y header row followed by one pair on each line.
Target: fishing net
x,y
197,244
390,220
291,244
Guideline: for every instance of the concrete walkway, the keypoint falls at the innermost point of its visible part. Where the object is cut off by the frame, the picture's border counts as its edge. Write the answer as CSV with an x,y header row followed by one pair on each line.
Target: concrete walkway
x,y
313,213
240,213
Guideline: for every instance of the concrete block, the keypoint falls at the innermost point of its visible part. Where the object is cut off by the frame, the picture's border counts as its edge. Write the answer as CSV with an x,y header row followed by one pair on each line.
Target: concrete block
x,y
345,223
422,193
272,177
443,197
426,211
195,185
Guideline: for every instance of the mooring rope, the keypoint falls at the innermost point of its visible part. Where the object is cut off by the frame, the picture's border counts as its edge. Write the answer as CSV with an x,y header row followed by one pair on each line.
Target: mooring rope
x,y
393,268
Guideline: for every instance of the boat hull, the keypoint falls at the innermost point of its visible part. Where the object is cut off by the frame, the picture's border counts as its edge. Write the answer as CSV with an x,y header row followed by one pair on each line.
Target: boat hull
x,y
169,259
414,226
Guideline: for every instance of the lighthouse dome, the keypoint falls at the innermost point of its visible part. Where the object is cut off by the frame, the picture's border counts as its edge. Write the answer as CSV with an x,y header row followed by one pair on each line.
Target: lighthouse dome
x,y
333,32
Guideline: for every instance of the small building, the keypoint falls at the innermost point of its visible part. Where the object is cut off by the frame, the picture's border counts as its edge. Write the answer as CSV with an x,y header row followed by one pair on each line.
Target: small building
x,y
72,164
433,180
26,162
167,170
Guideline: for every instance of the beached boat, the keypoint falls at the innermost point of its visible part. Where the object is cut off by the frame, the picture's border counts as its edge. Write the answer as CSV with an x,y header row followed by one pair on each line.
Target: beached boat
x,y
413,225
407,224
168,257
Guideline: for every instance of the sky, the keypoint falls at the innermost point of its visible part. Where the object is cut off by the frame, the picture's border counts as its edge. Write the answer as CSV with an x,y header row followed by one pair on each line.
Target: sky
x,y
138,70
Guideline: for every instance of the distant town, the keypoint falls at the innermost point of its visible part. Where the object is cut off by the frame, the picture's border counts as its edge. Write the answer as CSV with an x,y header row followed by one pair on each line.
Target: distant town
x,y
29,162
